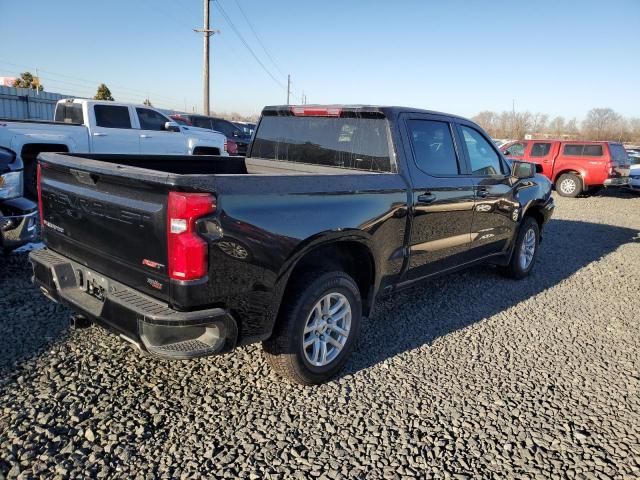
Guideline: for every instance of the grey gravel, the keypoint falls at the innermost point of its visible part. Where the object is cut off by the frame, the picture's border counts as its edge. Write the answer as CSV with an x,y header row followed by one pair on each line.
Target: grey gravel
x,y
470,376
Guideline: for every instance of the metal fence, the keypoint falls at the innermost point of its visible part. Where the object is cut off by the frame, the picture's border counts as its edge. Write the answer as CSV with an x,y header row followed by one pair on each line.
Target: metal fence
x,y
27,104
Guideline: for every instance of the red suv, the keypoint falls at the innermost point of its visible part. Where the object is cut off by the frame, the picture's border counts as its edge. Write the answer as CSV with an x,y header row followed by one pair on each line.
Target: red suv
x,y
574,167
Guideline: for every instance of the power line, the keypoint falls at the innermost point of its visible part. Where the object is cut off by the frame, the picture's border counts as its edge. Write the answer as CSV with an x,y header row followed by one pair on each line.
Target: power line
x,y
244,42
258,38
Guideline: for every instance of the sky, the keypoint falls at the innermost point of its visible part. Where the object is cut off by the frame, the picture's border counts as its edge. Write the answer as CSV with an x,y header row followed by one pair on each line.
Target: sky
x,y
555,57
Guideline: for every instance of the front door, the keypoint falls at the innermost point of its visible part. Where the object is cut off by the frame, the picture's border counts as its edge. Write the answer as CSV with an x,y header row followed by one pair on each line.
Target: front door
x,y
154,139
543,154
496,211
443,197
112,130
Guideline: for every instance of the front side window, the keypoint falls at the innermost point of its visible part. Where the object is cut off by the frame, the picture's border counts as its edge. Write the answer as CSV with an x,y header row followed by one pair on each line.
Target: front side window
x,y
355,143
516,150
433,147
224,127
484,159
112,116
150,119
540,149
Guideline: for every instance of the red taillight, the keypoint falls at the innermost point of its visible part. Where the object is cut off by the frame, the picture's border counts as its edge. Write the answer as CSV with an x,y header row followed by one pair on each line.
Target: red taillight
x,y
226,145
316,111
38,179
232,147
188,257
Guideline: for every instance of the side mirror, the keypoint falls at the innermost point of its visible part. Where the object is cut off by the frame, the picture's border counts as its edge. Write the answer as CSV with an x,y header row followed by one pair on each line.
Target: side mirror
x,y
171,127
506,152
236,133
522,170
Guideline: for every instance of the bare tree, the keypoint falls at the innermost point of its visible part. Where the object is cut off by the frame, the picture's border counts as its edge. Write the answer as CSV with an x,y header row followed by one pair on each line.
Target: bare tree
x,y
488,121
539,122
556,127
602,124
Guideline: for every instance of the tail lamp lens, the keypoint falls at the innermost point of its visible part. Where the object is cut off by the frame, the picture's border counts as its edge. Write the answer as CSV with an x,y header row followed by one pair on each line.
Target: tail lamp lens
x,y
187,252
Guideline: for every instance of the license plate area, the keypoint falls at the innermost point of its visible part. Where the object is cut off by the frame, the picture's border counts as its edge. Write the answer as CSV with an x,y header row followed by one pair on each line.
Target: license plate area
x,y
93,285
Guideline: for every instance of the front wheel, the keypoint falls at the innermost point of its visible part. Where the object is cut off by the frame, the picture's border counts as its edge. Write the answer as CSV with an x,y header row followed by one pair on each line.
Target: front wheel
x,y
525,250
317,328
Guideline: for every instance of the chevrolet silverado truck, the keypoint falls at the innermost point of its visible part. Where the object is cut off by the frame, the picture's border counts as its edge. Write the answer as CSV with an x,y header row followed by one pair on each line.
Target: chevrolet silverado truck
x,y
18,215
94,126
332,208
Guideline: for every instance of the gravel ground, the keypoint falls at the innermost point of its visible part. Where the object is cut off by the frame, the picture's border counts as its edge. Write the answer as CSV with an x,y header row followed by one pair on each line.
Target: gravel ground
x,y
465,377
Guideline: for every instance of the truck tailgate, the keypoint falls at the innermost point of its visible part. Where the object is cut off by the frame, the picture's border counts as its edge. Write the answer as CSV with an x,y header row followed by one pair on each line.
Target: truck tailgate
x,y
112,224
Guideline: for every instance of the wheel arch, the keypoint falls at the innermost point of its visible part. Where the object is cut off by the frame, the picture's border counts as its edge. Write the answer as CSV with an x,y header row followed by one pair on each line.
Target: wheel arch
x,y
349,253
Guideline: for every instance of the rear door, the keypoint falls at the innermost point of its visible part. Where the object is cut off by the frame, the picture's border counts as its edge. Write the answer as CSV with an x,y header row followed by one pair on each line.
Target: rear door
x,y
154,139
443,197
495,210
112,130
543,152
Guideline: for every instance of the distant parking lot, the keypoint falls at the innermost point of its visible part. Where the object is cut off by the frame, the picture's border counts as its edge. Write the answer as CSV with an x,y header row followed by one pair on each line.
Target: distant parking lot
x,y
470,376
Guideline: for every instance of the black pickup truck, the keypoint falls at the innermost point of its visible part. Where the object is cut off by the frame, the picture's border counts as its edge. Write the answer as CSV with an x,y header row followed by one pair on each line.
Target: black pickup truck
x,y
332,208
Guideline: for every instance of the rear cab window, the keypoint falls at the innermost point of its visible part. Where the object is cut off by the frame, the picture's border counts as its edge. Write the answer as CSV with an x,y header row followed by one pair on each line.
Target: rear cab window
x,y
352,140
112,116
69,113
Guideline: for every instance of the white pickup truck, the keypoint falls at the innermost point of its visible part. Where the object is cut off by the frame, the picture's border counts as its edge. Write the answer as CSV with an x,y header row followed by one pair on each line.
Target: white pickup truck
x,y
95,126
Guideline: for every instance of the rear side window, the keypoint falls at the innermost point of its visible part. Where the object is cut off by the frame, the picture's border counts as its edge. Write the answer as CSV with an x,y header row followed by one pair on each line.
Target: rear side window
x,y
150,119
540,149
224,127
201,122
433,147
108,116
69,113
578,150
357,143
484,159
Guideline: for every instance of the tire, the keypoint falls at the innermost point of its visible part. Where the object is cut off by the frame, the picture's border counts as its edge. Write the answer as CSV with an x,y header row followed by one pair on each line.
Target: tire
x,y
523,257
31,179
569,185
302,311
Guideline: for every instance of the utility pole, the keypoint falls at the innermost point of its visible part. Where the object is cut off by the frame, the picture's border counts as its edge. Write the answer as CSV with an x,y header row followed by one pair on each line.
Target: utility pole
x,y
206,33
288,88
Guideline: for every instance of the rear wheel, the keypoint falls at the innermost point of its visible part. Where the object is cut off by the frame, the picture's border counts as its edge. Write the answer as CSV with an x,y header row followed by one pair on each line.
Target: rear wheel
x,y
525,250
569,185
317,328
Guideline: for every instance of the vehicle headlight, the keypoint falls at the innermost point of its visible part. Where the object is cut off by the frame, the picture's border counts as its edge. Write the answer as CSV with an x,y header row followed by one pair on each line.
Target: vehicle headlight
x,y
10,185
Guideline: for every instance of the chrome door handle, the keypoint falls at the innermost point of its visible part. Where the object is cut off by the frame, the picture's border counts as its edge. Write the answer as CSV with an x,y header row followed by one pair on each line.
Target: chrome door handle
x,y
145,136
482,193
99,134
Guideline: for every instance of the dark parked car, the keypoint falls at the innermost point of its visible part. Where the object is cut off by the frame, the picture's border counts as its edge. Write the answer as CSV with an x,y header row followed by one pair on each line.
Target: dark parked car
x,y
229,129
18,216
332,208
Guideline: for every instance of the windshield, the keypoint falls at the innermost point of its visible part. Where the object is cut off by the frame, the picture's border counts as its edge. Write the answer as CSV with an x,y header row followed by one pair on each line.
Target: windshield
x,y
356,143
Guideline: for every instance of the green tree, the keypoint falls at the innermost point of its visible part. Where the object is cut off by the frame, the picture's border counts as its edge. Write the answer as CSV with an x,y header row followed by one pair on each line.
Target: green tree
x,y
27,80
103,93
